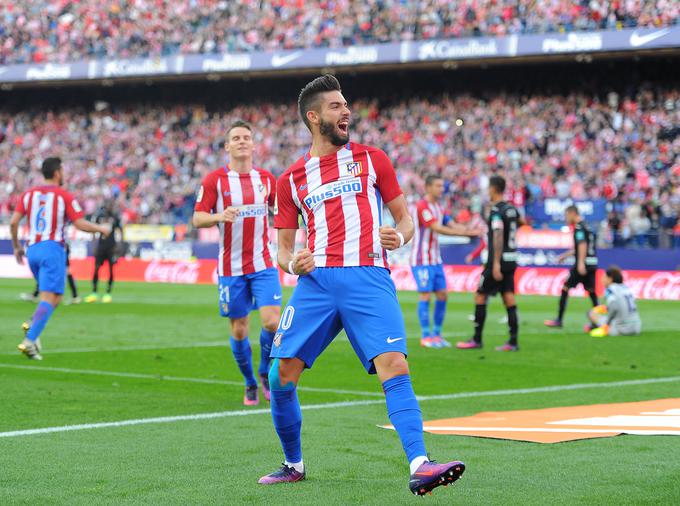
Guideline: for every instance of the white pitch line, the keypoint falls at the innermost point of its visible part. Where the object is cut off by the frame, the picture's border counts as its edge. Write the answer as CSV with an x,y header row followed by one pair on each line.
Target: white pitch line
x,y
162,377
159,346
332,405
180,418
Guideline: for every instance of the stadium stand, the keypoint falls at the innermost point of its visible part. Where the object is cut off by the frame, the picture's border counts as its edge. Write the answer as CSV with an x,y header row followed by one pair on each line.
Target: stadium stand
x,y
41,31
151,157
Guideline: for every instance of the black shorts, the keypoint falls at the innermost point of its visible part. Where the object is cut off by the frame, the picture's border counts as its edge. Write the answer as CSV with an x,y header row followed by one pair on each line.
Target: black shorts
x,y
489,286
105,255
588,281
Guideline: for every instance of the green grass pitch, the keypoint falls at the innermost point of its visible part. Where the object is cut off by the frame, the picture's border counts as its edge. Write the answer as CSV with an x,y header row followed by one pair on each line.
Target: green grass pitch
x,y
159,351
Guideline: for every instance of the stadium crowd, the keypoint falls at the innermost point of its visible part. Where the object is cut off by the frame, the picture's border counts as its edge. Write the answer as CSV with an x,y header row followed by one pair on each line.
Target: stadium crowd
x,y
151,158
62,30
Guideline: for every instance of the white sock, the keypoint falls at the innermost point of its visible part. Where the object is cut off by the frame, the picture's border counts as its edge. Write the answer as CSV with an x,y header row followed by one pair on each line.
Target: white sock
x,y
298,466
417,462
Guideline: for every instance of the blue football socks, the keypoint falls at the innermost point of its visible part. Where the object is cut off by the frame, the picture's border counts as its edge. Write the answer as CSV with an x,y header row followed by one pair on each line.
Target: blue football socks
x,y
404,413
424,316
40,317
244,358
286,414
439,314
266,339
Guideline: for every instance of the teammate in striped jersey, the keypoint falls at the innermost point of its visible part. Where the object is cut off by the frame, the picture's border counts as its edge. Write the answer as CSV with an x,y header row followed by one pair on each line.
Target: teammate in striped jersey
x,y
237,198
47,208
426,259
339,188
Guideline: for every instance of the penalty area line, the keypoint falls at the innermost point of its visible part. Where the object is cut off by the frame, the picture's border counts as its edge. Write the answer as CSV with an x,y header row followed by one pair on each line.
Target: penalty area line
x,y
332,405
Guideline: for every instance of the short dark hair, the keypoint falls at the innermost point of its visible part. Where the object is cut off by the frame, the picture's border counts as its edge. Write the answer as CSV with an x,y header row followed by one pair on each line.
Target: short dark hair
x,y
307,100
50,166
615,274
497,182
239,123
572,209
431,178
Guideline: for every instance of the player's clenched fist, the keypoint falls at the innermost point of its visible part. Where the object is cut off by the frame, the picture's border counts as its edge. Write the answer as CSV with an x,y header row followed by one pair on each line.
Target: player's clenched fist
x,y
390,239
228,215
303,262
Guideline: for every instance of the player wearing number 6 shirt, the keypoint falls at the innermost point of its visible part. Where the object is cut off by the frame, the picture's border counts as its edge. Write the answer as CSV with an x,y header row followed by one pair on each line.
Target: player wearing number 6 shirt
x,y
499,271
339,188
237,198
47,208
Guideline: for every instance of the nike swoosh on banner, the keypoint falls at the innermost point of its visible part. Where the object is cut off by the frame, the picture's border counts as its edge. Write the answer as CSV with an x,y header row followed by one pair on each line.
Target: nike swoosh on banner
x,y
280,61
390,340
637,40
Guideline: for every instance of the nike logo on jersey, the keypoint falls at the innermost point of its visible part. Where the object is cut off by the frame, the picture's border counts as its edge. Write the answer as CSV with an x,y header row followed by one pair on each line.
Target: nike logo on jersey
x,y
277,297
391,340
303,187
640,40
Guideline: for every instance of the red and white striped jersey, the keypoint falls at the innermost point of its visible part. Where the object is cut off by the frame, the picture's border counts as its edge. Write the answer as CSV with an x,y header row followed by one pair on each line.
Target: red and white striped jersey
x,y
244,244
425,244
340,198
47,209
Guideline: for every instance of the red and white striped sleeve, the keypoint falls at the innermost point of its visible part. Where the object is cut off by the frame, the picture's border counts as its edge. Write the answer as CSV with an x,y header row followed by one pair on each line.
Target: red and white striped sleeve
x,y
286,213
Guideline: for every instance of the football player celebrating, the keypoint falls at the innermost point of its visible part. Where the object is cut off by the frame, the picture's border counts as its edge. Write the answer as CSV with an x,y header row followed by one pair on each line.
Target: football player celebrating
x,y
237,198
339,188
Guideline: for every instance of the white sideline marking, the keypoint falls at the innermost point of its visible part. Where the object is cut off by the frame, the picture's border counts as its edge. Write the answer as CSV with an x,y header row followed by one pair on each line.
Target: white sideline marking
x,y
332,405
162,377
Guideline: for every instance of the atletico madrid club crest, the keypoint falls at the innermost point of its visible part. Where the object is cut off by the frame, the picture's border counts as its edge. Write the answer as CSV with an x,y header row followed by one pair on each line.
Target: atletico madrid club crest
x,y
354,168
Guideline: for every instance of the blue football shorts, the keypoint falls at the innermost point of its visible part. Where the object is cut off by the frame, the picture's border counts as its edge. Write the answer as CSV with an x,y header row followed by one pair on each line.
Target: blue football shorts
x,y
429,278
47,260
362,300
239,295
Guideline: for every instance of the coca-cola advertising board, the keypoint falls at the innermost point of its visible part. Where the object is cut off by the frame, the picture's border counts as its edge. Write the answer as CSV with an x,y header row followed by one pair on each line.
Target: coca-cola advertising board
x,y
658,285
